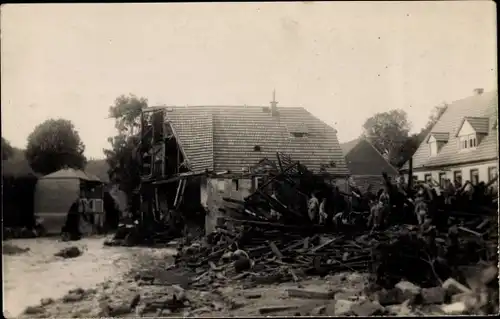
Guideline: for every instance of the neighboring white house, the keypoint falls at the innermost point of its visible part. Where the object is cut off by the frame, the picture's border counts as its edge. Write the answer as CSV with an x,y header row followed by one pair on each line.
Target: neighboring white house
x,y
462,145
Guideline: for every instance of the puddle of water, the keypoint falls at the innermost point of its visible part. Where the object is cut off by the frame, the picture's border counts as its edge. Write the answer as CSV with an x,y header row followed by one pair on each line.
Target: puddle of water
x,y
37,274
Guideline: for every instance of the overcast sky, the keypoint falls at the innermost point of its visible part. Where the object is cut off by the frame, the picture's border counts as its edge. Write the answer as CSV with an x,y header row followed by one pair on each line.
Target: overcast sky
x,y
342,61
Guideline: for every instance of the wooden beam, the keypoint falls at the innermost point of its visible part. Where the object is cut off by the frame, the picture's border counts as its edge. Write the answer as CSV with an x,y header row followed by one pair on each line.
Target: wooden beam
x,y
272,179
179,142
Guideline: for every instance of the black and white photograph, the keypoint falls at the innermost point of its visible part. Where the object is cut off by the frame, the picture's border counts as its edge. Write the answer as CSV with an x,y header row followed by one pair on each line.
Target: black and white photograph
x,y
249,159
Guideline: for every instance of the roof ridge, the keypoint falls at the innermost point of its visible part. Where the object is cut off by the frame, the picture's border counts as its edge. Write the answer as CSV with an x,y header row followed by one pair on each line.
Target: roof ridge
x,y
476,117
223,106
470,97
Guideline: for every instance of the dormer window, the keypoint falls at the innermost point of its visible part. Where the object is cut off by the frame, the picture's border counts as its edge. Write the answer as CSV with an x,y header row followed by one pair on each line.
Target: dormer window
x,y
471,131
436,141
468,141
298,134
298,130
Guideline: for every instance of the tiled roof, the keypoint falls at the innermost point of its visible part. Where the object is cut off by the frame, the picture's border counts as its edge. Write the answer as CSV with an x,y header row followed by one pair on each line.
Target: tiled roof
x,y
195,131
220,138
479,124
477,106
441,137
348,146
363,158
72,173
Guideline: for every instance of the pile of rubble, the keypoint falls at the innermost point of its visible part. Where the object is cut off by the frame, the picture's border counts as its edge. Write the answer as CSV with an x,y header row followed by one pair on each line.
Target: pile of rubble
x,y
255,246
253,256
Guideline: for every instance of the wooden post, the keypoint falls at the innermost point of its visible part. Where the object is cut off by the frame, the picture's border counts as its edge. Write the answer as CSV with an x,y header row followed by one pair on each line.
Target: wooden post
x,y
410,174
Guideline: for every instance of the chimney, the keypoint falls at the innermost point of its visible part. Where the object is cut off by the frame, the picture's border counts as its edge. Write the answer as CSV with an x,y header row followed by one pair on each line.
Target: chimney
x,y
478,91
274,105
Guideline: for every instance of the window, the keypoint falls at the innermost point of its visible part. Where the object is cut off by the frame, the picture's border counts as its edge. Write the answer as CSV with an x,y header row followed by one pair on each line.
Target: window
x,y
472,142
492,173
256,148
474,176
221,185
442,177
433,148
457,176
468,141
428,178
236,184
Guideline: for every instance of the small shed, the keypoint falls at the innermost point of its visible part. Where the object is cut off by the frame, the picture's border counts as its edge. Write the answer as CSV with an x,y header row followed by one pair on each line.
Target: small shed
x,y
56,192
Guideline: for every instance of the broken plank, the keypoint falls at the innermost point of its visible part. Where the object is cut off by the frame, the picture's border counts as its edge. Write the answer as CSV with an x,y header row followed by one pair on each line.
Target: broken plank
x,y
275,250
450,282
270,224
214,255
469,231
310,294
294,276
306,243
213,266
294,245
279,262
271,309
483,223
231,200
319,247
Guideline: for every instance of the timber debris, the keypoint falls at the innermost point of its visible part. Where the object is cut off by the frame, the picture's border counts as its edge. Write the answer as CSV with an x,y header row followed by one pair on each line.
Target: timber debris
x,y
268,239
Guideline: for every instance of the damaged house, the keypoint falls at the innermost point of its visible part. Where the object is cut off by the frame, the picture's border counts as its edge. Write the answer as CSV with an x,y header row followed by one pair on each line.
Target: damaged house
x,y
194,156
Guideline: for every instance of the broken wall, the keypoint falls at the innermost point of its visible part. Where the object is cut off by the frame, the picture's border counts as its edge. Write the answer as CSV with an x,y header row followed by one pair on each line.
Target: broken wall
x,y
364,181
213,190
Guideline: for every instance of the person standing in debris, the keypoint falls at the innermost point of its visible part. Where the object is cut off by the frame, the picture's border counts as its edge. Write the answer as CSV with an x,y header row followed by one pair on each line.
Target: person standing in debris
x,y
384,197
328,207
448,192
421,209
381,210
274,213
468,190
313,208
323,216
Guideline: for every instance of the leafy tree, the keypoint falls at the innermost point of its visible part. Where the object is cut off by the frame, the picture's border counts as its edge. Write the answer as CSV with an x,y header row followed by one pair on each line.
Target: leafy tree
x,y
121,157
407,150
411,144
436,114
7,149
388,132
126,111
53,145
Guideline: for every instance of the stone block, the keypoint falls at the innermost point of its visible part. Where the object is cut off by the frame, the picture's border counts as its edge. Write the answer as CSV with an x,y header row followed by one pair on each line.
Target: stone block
x,y
435,295
367,308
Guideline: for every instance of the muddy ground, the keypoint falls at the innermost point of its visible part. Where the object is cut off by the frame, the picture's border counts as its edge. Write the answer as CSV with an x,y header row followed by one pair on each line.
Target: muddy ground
x,y
32,272
133,281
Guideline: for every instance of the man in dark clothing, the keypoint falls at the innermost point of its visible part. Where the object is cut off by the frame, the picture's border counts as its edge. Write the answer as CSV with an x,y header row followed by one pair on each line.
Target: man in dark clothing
x,y
71,229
